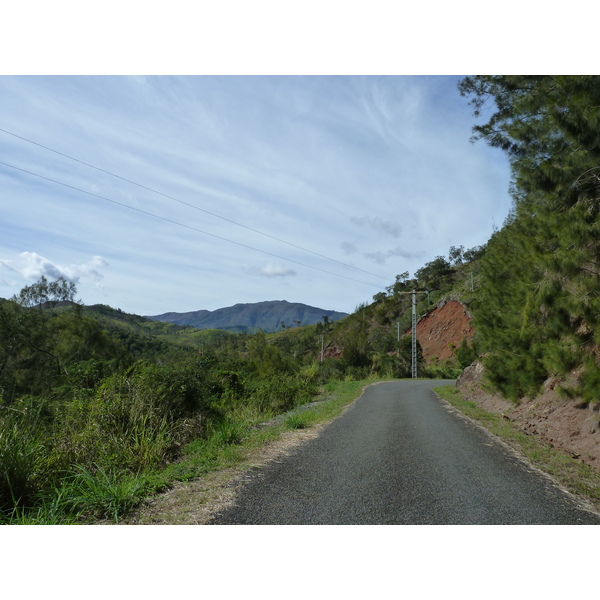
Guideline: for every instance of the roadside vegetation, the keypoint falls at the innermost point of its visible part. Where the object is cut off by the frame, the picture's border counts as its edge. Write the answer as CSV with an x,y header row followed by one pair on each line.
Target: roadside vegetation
x,y
99,409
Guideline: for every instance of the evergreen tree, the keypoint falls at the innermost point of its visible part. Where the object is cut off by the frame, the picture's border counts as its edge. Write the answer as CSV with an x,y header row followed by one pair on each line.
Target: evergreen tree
x,y
541,290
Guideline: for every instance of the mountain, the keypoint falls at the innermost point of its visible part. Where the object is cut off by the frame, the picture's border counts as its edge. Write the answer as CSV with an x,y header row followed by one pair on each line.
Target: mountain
x,y
267,316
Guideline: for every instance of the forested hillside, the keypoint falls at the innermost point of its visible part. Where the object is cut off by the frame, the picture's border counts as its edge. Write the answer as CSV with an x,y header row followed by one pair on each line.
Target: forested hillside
x,y
538,304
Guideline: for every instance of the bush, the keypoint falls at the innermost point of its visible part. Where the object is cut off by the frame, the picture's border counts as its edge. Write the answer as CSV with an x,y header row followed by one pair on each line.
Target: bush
x,y
465,354
442,371
133,421
282,393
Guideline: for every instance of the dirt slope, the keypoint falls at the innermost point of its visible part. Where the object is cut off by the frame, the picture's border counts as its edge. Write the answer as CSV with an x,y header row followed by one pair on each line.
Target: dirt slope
x,y
565,424
443,327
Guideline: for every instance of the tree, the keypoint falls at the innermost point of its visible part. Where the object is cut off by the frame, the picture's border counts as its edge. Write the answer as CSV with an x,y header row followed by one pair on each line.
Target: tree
x,y
39,344
43,292
323,327
550,128
402,283
455,255
541,273
435,274
474,253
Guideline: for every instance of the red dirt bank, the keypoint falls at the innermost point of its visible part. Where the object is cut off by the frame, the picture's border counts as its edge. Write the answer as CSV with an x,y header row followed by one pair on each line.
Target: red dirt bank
x,y
443,328
565,424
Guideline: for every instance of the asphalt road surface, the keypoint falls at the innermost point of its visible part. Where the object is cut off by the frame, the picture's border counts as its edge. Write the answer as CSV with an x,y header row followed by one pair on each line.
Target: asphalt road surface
x,y
399,456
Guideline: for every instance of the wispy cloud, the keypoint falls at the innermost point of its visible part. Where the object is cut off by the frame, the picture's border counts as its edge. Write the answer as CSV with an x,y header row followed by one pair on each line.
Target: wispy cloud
x,y
348,248
341,166
382,257
378,224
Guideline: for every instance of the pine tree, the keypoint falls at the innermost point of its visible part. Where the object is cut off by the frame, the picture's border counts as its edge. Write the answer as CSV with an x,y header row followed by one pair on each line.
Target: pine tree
x,y
541,275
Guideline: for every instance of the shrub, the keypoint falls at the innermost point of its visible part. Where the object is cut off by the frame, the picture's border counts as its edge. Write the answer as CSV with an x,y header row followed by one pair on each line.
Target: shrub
x,y
227,432
278,394
465,354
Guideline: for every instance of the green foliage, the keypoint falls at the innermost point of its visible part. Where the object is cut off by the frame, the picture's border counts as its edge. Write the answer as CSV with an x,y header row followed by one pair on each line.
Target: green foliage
x,y
280,393
540,286
40,347
442,371
465,354
227,432
435,274
102,494
94,401
22,457
44,293
266,358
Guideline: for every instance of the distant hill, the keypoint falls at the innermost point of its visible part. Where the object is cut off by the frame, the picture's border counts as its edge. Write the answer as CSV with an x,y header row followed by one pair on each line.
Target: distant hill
x,y
267,316
143,335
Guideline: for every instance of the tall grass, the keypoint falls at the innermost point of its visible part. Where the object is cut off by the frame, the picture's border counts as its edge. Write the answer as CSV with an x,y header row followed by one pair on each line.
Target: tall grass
x,y
22,461
102,494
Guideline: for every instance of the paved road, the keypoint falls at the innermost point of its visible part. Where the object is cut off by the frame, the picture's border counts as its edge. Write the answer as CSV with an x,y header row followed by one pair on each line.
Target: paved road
x,y
398,456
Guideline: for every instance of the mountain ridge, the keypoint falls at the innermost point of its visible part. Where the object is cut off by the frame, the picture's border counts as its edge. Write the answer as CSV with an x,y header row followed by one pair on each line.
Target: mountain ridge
x,y
268,315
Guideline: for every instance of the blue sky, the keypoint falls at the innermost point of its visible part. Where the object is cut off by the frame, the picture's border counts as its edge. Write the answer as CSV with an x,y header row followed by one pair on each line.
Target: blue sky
x,y
313,189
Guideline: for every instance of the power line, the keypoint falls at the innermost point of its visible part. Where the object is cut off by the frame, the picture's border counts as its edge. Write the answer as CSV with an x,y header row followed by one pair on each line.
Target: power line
x,y
187,203
145,212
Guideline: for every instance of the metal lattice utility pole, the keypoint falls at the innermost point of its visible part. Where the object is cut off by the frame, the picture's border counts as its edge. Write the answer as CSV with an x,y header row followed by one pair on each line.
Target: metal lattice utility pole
x,y
414,329
414,334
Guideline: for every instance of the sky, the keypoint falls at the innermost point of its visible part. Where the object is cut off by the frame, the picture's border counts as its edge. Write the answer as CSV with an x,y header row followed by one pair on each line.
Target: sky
x,y
179,193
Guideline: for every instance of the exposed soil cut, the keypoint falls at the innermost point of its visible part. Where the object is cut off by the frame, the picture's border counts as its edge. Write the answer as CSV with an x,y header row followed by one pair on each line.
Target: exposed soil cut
x,y
442,329
565,424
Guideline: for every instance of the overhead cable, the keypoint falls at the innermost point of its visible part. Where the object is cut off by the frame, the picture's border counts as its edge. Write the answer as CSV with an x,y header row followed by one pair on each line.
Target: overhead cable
x,y
188,204
145,212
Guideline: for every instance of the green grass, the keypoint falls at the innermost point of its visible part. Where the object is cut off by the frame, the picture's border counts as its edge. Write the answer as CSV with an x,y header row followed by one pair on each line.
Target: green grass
x,y
102,494
297,421
87,496
579,478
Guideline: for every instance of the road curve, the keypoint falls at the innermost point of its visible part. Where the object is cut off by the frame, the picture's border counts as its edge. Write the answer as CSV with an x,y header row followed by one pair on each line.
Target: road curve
x,y
400,456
